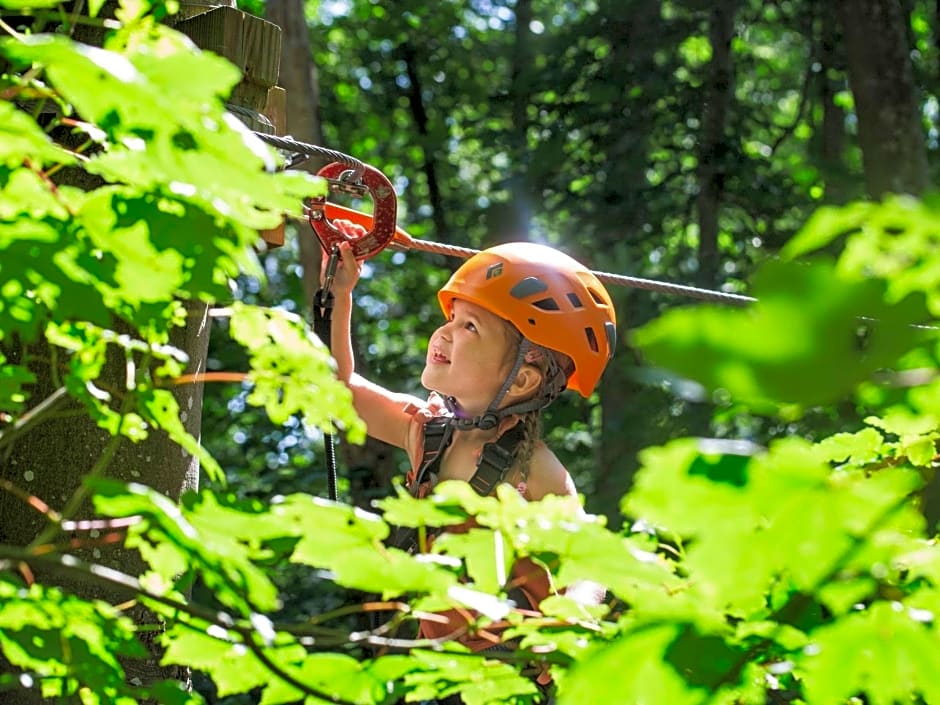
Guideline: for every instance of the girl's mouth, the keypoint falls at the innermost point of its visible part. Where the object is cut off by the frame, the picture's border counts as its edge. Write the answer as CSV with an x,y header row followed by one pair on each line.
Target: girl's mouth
x,y
437,357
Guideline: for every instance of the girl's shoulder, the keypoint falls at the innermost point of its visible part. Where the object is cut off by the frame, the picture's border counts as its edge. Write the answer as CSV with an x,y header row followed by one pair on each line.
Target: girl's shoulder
x,y
547,475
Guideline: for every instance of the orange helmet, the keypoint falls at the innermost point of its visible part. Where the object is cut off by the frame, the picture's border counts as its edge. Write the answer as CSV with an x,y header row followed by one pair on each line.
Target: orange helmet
x,y
552,299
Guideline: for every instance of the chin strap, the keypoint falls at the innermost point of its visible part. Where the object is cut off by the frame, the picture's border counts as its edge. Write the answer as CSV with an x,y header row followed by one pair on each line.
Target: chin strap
x,y
554,384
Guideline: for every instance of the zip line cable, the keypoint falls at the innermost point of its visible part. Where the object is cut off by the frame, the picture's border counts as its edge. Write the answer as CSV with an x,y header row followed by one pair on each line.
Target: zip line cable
x,y
288,144
403,241
606,277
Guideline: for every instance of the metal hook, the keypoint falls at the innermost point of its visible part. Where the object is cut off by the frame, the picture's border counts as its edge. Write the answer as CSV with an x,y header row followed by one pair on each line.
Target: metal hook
x,y
384,217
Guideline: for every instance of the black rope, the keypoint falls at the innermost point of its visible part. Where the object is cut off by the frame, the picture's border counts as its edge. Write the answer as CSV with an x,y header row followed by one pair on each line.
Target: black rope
x,y
322,325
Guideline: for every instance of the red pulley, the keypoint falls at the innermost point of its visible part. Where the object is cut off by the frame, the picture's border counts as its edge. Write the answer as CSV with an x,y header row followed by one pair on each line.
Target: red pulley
x,y
384,211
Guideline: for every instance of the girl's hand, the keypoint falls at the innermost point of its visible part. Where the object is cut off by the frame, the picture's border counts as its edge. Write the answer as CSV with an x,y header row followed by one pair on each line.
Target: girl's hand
x,y
347,269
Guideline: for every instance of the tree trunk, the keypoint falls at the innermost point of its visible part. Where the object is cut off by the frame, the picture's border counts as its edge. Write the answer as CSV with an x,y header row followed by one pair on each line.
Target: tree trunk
x,y
298,77
53,457
881,76
520,88
419,113
718,90
634,50
832,131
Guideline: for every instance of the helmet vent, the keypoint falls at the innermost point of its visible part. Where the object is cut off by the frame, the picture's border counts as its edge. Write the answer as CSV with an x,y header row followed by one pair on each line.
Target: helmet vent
x,y
598,299
575,301
591,339
528,287
548,304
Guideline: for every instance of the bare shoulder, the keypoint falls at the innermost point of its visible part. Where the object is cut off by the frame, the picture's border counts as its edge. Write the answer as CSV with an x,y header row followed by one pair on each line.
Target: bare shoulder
x,y
547,475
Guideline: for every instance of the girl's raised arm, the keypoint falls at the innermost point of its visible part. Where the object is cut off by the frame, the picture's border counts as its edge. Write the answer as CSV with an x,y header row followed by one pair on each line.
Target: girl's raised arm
x,y
384,412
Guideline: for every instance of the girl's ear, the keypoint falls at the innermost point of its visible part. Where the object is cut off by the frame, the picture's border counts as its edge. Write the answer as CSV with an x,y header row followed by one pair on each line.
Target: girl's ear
x,y
527,382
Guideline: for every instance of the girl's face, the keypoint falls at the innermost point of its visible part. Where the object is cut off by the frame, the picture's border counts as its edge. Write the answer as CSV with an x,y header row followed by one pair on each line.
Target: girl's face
x,y
469,356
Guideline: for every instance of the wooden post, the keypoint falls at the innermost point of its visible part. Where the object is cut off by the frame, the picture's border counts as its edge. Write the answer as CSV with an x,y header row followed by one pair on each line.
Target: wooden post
x,y
254,46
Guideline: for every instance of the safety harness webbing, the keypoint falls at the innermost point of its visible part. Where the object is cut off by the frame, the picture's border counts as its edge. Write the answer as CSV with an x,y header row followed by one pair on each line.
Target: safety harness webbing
x,y
322,322
496,457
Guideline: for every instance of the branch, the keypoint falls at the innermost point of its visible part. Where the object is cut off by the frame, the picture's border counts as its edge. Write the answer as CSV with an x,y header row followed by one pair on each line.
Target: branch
x,y
33,416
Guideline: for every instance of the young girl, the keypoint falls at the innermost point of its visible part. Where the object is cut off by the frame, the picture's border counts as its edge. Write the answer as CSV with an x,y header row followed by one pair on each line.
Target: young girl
x,y
522,322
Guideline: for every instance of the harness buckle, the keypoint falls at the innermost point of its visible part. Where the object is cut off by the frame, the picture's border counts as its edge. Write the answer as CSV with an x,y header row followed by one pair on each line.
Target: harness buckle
x,y
494,462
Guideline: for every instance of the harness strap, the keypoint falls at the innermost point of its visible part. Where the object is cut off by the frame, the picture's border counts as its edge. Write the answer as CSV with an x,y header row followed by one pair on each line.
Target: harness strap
x,y
438,433
322,324
495,460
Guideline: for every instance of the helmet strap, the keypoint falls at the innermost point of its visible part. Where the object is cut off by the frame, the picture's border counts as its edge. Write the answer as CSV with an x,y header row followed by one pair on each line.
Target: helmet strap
x,y
490,418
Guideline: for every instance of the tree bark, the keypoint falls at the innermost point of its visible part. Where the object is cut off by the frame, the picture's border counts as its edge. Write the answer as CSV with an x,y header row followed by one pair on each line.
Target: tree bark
x,y
626,28
419,114
718,90
298,77
881,77
60,450
520,90
832,138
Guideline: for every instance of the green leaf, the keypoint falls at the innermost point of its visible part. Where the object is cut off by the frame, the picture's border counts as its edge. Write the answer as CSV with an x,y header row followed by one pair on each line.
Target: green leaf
x,y
792,517
13,380
292,371
220,653
25,193
51,633
481,550
886,653
151,245
668,663
405,510
479,681
141,271
824,226
800,344
901,422
221,544
20,135
859,448
341,678
348,542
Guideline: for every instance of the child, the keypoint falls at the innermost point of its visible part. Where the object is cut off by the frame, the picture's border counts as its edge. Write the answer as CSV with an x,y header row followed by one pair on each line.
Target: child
x,y
523,322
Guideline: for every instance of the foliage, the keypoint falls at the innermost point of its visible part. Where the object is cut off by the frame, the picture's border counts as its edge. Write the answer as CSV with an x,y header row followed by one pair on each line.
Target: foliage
x,y
799,570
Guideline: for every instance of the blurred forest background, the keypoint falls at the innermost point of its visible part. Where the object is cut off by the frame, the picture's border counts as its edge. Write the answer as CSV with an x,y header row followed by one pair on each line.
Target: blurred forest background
x,y
678,141
675,140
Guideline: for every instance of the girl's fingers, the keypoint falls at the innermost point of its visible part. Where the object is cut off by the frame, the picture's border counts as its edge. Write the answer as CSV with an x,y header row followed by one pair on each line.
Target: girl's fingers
x,y
346,254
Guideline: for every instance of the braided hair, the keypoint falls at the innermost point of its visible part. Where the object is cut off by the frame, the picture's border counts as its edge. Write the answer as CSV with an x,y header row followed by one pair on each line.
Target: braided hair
x,y
548,362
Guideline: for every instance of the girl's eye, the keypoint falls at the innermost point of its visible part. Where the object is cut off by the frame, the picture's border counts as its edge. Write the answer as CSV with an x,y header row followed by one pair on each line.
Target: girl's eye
x,y
471,327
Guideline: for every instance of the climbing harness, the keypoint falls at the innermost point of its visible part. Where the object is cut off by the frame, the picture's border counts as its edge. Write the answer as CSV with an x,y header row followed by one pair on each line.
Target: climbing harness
x,y
495,461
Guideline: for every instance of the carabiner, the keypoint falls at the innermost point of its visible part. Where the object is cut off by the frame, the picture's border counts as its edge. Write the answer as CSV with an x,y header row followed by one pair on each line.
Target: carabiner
x,y
384,211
